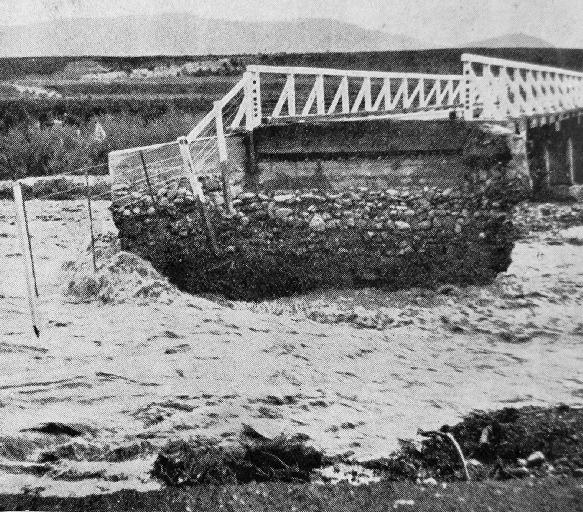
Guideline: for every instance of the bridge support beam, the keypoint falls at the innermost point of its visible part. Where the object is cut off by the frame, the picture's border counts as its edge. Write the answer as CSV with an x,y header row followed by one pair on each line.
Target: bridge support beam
x,y
556,157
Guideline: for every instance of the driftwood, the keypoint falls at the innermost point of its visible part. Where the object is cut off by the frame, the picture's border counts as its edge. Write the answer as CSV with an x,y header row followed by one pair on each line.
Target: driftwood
x,y
452,440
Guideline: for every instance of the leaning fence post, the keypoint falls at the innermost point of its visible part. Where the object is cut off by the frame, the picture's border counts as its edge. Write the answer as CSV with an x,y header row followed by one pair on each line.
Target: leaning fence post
x,y
147,176
88,190
222,146
25,246
188,166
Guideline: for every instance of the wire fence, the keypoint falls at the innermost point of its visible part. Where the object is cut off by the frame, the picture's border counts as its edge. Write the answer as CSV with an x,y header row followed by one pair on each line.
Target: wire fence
x,y
67,228
68,221
147,170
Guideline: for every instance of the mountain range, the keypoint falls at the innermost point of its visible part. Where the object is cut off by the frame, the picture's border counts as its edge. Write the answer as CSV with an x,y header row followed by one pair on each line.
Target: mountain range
x,y
185,34
518,40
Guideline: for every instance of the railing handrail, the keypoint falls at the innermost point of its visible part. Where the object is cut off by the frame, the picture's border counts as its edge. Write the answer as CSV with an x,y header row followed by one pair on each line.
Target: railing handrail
x,y
505,63
292,70
210,117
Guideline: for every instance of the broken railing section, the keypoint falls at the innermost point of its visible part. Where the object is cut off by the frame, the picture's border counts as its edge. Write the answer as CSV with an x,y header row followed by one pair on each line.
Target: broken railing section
x,y
501,89
210,149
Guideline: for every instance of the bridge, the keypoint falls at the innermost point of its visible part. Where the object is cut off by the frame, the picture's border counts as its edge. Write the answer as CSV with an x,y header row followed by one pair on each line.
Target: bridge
x,y
544,104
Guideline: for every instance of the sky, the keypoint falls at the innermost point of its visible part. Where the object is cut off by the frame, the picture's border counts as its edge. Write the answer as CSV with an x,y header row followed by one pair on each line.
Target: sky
x,y
450,22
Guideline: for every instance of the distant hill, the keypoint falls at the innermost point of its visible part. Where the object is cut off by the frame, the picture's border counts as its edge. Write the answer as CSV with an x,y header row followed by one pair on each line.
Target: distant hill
x,y
444,60
518,40
184,34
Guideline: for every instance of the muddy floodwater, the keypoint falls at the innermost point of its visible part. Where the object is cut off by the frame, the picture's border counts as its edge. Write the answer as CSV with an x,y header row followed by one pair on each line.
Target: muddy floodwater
x,y
354,370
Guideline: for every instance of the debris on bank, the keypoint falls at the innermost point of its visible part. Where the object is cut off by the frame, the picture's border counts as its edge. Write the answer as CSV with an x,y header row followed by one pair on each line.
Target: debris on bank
x,y
504,444
256,458
496,445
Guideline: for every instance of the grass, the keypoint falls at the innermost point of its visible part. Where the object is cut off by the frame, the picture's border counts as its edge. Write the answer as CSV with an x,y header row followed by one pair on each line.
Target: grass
x,y
518,496
259,459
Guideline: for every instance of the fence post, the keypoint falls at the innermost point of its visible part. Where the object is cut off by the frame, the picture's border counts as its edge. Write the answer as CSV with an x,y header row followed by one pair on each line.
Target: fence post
x,y
147,176
188,166
25,246
222,147
88,190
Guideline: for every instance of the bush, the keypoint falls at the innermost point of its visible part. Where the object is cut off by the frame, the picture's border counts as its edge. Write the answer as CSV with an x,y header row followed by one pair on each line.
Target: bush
x,y
30,150
14,112
127,131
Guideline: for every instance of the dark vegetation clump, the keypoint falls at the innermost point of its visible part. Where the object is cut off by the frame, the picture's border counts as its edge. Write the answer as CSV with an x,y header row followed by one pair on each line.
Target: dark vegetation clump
x,y
498,444
31,149
504,444
510,434
79,110
256,458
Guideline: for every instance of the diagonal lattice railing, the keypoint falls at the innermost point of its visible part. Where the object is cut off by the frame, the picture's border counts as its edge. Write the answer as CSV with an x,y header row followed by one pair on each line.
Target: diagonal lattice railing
x,y
502,89
278,92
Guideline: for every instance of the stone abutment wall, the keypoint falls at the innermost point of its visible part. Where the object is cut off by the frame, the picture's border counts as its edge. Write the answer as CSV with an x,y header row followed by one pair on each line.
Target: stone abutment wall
x,y
418,205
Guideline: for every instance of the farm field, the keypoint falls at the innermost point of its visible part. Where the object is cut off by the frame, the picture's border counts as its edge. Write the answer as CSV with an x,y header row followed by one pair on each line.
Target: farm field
x,y
340,367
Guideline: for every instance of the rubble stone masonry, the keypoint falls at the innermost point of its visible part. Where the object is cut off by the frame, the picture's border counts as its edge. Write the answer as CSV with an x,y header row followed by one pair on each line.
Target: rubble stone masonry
x,y
339,220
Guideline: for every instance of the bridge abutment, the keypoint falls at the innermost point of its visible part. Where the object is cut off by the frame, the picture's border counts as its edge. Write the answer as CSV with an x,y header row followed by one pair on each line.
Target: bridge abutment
x,y
391,204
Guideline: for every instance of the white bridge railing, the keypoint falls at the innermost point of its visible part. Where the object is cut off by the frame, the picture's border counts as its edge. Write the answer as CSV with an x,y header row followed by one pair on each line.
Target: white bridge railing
x,y
328,92
302,92
489,89
502,89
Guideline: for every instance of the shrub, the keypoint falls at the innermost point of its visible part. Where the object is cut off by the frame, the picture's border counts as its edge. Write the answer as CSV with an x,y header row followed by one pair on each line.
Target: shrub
x,y
14,112
30,150
126,130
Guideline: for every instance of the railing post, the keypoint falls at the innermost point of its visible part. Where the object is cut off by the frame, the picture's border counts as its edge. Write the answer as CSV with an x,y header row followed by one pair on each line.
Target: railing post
x,y
249,124
320,104
291,98
253,98
222,147
467,89
189,172
367,94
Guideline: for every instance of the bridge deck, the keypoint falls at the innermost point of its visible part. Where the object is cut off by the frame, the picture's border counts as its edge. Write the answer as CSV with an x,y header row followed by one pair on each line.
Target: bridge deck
x,y
488,90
